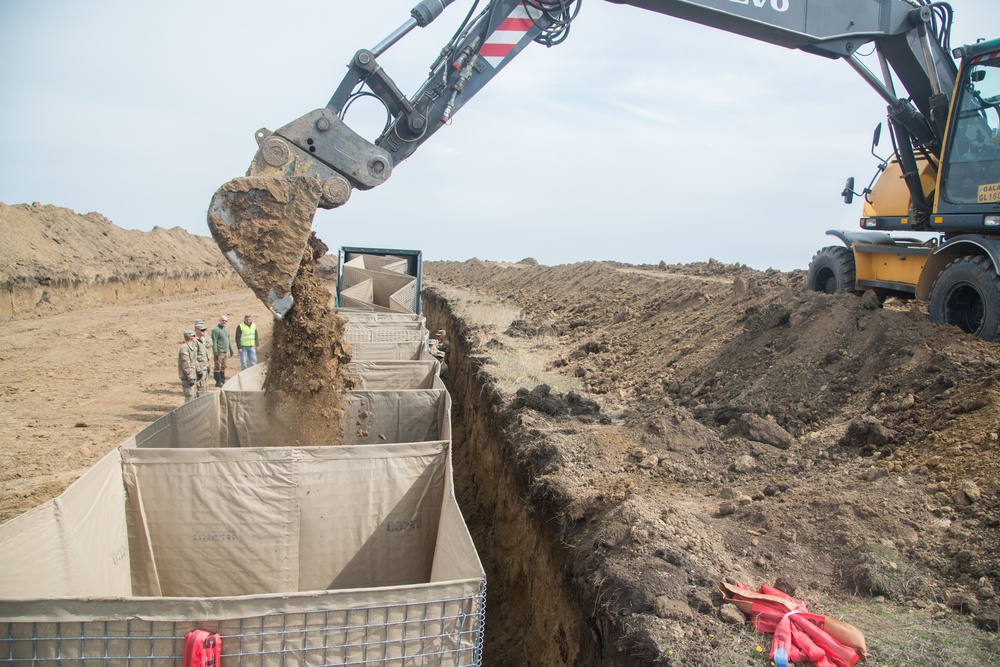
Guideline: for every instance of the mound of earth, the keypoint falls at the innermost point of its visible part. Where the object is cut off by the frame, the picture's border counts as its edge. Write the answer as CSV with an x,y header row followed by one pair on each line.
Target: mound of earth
x,y
749,430
90,323
53,258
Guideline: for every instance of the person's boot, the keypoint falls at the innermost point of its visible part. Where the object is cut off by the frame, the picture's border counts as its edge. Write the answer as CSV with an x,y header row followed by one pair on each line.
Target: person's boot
x,y
218,380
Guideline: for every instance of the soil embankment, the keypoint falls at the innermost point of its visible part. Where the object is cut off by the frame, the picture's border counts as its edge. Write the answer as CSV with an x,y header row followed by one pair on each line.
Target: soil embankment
x,y
90,357
646,432
53,259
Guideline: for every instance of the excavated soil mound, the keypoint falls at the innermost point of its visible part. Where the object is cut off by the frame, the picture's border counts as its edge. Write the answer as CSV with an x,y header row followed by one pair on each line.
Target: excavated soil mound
x,y
91,318
52,259
749,429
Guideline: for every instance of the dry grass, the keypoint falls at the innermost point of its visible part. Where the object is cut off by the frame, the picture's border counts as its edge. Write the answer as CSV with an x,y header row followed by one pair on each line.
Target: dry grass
x,y
734,646
899,636
484,313
767,317
528,364
896,636
881,570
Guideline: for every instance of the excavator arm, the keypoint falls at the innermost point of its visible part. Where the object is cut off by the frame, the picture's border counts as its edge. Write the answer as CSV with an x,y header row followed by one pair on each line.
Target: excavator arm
x,y
262,222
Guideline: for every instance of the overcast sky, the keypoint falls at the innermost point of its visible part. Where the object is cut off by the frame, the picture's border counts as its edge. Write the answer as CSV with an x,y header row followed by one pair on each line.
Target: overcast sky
x,y
642,138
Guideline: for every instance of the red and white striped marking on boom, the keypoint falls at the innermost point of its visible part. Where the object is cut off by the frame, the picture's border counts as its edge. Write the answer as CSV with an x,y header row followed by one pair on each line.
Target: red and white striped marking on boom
x,y
510,31
985,56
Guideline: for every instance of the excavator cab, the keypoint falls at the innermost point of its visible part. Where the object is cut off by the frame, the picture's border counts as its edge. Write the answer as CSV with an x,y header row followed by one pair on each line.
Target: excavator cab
x,y
972,163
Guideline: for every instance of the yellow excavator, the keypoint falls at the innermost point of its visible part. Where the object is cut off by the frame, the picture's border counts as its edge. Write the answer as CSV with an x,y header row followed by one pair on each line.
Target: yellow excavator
x,y
941,179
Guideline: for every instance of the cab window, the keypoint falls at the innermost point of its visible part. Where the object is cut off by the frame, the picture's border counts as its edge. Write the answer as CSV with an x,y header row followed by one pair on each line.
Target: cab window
x,y
973,159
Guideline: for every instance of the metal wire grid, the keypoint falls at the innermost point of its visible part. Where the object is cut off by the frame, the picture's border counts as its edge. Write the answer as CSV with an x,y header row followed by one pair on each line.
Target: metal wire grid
x,y
383,334
445,633
407,297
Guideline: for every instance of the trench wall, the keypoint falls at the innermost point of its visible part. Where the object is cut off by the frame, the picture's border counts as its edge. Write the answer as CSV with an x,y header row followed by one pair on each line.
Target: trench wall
x,y
535,615
25,295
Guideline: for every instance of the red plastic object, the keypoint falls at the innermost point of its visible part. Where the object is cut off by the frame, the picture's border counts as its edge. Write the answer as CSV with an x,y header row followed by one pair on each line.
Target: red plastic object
x,y
202,649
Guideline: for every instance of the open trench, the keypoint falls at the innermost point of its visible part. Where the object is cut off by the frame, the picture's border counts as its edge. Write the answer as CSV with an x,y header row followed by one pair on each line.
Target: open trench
x,y
536,609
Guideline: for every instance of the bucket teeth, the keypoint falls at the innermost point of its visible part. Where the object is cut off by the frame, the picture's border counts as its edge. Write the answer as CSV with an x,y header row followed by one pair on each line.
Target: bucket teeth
x,y
262,225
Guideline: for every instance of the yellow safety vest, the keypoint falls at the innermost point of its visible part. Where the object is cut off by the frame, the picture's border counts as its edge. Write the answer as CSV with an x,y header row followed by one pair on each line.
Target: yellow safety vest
x,y
247,334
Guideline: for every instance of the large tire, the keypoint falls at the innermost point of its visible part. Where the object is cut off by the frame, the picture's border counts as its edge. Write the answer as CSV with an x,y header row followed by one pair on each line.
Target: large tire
x,y
832,271
967,295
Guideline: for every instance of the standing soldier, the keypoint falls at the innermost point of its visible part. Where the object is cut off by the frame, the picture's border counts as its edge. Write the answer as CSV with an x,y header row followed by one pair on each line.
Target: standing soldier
x,y
222,349
186,369
246,342
203,361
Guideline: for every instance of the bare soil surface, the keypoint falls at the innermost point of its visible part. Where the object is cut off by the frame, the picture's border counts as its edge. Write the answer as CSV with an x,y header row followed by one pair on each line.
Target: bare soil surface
x,y
717,422
748,429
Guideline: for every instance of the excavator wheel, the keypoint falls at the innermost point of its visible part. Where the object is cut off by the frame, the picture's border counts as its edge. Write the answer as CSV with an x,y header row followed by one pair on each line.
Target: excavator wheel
x,y
262,224
967,295
832,271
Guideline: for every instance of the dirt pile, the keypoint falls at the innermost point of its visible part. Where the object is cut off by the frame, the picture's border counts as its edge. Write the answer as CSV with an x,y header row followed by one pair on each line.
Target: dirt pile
x,y
53,258
307,374
748,429
90,323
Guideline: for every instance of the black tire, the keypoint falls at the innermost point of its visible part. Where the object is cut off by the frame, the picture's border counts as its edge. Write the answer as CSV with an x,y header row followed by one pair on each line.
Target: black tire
x,y
967,295
832,271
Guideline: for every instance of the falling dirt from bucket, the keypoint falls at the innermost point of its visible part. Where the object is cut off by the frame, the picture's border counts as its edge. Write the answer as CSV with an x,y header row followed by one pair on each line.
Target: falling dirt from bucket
x,y
307,372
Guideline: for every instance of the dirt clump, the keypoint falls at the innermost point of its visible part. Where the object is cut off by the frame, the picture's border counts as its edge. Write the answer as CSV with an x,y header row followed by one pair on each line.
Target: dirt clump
x,y
307,374
261,225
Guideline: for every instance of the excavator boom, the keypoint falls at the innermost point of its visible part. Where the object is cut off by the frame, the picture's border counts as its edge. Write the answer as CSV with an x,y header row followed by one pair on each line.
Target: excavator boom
x,y
262,221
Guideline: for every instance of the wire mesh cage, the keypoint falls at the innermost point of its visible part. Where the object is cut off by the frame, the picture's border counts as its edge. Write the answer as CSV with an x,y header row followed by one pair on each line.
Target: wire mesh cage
x,y
293,555
445,631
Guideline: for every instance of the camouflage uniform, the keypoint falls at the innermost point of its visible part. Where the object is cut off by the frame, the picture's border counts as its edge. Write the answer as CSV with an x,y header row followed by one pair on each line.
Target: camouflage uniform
x,y
442,343
222,349
203,357
186,368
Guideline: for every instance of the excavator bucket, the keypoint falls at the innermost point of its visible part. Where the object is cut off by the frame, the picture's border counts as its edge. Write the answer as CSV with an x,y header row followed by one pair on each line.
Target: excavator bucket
x,y
262,224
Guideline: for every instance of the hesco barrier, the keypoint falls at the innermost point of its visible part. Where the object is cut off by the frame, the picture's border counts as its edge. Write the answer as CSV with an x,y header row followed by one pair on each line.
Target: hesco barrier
x,y
344,555
379,280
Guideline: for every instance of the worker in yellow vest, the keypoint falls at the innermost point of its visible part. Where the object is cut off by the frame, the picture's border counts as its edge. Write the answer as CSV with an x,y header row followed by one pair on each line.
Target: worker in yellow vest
x,y
246,342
